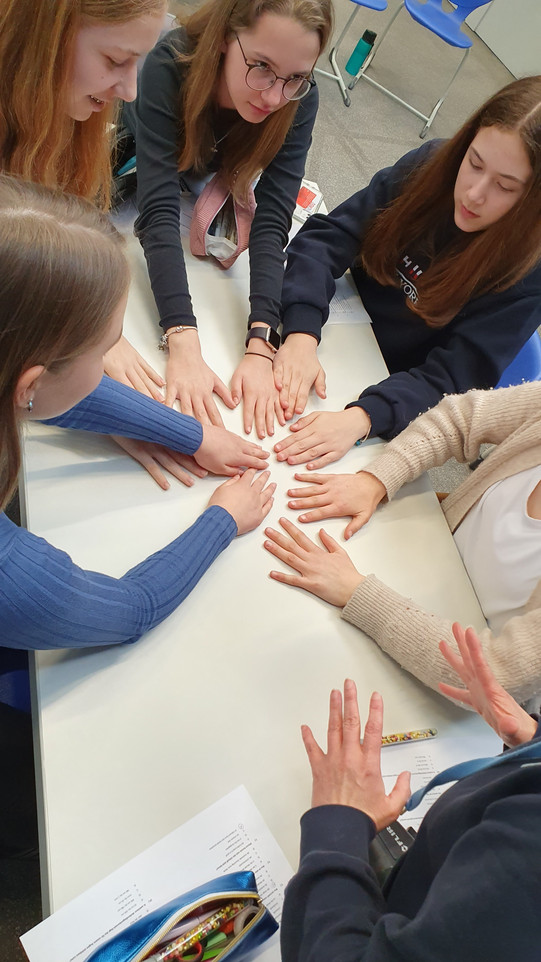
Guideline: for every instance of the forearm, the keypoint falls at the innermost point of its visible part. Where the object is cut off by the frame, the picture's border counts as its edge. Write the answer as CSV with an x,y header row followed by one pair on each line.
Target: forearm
x,y
114,408
333,902
49,602
328,245
158,187
411,636
167,273
456,427
276,195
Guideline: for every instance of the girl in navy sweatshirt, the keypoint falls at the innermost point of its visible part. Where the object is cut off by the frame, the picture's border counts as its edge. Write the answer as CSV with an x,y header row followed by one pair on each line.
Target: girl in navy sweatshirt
x,y
445,249
467,888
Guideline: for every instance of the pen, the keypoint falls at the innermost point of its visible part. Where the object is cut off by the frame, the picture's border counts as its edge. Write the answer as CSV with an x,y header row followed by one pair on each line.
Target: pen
x,y
175,949
401,737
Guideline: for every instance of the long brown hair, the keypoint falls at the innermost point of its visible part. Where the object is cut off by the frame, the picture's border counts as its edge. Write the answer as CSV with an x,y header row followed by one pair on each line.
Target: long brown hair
x,y
38,140
62,274
473,263
250,147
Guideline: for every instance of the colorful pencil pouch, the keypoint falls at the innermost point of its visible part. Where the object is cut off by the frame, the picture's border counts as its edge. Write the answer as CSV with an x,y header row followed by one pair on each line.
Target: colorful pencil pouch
x,y
231,898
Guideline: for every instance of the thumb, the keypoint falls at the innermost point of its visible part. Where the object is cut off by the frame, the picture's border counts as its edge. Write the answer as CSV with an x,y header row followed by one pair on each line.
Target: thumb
x,y
230,481
400,793
222,391
170,394
330,543
320,384
236,388
356,523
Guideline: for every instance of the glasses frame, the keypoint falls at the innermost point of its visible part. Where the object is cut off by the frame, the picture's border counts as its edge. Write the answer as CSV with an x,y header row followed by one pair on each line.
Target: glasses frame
x,y
285,80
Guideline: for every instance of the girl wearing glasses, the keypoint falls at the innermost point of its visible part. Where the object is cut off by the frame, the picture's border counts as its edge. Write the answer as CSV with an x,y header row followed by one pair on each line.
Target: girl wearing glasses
x,y
231,90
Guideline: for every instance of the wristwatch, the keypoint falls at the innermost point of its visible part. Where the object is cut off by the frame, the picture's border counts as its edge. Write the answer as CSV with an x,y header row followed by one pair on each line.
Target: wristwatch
x,y
267,334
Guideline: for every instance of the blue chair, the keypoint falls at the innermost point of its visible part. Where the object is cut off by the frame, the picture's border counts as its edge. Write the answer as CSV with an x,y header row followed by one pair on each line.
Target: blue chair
x,y
336,74
526,366
446,24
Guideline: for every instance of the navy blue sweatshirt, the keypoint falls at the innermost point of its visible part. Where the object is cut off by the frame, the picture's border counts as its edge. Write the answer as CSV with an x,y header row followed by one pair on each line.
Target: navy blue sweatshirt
x,y
472,350
468,888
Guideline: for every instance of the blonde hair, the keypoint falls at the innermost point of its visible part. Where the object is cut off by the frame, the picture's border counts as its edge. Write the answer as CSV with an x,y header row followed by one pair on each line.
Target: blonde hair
x,y
475,263
38,140
250,147
62,275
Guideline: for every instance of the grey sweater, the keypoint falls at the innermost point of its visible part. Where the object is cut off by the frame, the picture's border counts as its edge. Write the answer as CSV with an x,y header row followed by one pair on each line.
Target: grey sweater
x,y
510,418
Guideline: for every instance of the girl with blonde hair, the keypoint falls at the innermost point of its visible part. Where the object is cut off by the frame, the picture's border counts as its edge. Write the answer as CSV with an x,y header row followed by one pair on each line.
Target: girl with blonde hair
x,y
63,289
232,91
445,251
64,65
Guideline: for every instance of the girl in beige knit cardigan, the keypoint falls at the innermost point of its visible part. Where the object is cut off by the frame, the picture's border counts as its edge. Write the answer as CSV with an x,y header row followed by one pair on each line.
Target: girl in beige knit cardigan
x,y
495,518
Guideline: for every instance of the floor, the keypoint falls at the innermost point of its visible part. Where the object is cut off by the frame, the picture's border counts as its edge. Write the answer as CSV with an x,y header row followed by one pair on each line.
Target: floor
x,y
349,146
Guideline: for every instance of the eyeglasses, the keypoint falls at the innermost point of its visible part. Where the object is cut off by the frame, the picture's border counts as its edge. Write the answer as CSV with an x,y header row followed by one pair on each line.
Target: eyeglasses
x,y
260,77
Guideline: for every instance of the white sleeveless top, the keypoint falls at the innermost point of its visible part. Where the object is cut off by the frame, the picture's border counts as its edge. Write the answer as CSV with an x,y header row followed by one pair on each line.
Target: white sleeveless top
x,y
500,546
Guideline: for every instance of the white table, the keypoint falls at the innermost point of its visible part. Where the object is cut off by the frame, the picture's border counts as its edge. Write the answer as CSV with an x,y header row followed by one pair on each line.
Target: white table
x,y
133,740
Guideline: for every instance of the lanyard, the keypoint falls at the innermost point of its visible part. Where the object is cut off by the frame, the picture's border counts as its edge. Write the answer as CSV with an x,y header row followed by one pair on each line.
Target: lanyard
x,y
456,772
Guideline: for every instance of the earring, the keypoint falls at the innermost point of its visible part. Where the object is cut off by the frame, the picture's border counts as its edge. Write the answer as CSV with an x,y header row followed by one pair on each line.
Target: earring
x,y
30,404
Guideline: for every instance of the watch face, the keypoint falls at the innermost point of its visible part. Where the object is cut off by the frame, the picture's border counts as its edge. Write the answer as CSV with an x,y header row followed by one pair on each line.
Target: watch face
x,y
267,334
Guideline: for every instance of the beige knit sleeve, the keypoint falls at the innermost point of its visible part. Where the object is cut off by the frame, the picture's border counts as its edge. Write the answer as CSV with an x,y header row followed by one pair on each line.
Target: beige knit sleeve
x,y
411,635
456,427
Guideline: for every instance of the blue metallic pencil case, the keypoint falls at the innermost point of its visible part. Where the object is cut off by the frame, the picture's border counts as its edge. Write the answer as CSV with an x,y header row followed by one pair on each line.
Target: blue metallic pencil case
x,y
152,936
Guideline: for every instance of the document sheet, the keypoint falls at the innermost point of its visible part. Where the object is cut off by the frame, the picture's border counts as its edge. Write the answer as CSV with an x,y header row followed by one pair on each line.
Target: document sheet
x,y
228,836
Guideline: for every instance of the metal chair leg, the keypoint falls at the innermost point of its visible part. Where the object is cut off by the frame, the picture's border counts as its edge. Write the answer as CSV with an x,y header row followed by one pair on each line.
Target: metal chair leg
x,y
437,106
336,72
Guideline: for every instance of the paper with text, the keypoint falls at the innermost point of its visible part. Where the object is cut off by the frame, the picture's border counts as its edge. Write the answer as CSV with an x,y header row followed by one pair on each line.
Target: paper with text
x,y
346,306
424,759
229,836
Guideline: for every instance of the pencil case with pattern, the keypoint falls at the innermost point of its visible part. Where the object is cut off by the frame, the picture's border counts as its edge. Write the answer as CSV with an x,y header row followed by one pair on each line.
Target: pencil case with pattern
x,y
224,918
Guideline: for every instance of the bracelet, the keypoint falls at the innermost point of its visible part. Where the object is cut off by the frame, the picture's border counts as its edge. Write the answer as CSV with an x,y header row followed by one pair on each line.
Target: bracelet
x,y
360,440
163,344
257,354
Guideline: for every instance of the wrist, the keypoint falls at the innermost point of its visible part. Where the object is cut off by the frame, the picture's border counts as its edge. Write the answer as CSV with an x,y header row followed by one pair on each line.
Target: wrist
x,y
305,341
187,343
172,333
262,337
350,587
359,422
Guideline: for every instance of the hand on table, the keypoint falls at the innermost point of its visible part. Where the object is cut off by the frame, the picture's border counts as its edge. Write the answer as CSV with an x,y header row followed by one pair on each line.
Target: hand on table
x,y
153,457
482,692
350,772
296,367
247,499
336,496
123,363
323,437
254,383
192,381
327,572
222,452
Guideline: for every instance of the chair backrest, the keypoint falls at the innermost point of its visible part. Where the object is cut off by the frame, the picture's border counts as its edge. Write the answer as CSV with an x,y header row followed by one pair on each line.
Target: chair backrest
x,y
526,366
469,5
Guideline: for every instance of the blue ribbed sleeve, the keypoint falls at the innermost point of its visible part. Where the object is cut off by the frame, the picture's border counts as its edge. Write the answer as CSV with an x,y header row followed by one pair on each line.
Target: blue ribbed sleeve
x,y
114,408
46,601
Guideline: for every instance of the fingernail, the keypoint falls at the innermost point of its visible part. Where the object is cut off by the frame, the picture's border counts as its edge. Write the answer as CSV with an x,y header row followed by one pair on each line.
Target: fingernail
x,y
302,517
